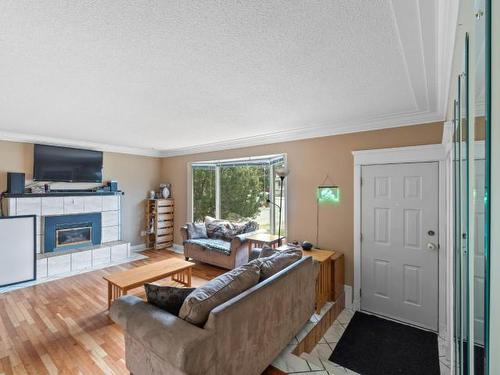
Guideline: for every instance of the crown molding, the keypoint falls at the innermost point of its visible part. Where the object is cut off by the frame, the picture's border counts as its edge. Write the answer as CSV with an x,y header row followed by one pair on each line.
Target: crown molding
x,y
378,123
28,138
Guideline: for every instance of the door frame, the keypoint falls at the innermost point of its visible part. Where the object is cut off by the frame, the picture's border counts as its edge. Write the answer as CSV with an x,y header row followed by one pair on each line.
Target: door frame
x,y
413,154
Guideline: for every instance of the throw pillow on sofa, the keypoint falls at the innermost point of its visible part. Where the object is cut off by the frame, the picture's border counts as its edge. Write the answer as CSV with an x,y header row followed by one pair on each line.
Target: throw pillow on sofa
x,y
197,230
219,229
167,298
204,299
276,262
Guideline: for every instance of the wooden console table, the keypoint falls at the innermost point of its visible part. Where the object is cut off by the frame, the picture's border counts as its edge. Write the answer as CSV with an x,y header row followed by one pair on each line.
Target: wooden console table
x,y
330,282
260,239
119,283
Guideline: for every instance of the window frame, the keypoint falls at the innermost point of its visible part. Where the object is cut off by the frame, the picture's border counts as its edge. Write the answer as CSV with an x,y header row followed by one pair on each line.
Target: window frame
x,y
273,227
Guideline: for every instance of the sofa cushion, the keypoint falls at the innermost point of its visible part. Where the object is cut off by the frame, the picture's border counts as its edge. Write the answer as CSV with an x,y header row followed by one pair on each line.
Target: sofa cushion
x,y
267,251
167,298
197,230
218,229
204,299
226,230
276,262
245,227
220,246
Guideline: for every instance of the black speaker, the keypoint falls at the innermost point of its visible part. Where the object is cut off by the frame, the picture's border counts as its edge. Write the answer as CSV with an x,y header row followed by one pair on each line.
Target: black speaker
x,y
113,186
15,183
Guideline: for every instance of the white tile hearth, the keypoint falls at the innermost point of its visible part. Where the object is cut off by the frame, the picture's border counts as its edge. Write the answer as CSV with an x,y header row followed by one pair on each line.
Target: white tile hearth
x,y
81,261
119,252
101,256
59,265
41,263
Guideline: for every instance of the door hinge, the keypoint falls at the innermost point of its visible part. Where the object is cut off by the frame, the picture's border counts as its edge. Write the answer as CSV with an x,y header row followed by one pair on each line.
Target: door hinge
x,y
360,293
361,236
361,181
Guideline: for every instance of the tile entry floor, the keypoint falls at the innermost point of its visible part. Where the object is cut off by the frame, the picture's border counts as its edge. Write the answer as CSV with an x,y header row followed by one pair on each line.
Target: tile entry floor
x,y
316,362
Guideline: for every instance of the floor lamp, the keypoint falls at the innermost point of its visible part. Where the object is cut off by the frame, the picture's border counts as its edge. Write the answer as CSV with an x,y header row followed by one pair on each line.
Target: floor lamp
x,y
281,172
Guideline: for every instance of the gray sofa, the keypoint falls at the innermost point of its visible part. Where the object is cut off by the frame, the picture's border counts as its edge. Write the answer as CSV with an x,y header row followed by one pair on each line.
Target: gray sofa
x,y
227,254
241,336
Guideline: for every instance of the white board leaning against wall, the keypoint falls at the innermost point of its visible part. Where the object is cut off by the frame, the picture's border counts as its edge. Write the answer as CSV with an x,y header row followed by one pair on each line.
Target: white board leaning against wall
x,y
17,249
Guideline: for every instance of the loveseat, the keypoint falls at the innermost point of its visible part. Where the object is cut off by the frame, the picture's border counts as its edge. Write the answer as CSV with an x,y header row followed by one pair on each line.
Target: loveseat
x,y
225,244
241,336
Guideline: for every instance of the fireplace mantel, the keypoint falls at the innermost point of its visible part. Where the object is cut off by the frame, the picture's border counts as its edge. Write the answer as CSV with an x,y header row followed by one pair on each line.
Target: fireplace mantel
x,y
63,194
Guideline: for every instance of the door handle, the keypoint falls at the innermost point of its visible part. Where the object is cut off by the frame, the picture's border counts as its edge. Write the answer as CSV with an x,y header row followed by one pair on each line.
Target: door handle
x,y
431,246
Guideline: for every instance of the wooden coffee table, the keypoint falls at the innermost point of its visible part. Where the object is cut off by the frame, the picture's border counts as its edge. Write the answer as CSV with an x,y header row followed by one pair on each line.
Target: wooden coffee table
x,y
121,282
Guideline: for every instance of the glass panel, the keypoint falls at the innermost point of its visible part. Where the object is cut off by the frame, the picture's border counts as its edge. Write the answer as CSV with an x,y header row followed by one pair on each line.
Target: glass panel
x,y
478,282
457,236
203,192
243,194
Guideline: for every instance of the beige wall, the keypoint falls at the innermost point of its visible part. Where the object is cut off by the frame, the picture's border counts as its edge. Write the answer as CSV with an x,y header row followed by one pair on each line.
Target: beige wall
x,y
136,175
309,162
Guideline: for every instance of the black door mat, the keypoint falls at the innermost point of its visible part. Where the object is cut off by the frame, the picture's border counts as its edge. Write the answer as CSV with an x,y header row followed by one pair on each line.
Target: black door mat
x,y
374,346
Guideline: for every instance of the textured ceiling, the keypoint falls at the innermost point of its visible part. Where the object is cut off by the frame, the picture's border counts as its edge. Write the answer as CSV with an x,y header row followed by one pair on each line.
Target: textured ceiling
x,y
181,76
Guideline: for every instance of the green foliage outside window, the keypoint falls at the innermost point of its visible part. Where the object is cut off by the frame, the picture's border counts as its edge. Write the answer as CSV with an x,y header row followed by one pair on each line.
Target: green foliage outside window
x,y
242,191
203,193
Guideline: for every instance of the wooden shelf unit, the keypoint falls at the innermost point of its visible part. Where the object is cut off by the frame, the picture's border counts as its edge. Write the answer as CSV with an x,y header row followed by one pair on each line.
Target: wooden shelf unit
x,y
159,223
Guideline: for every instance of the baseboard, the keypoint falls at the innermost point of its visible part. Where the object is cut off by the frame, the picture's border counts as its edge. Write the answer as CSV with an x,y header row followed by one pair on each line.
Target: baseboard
x,y
138,248
178,248
348,296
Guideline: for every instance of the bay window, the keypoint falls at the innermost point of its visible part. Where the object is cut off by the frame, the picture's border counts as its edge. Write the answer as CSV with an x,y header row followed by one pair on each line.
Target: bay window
x,y
239,189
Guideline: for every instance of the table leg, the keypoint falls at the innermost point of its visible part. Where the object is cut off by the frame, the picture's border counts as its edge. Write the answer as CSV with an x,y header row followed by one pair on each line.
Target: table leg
x,y
109,295
188,277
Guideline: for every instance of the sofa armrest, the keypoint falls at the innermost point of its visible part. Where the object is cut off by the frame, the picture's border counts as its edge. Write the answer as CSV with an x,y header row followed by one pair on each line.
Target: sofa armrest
x,y
184,233
182,344
242,238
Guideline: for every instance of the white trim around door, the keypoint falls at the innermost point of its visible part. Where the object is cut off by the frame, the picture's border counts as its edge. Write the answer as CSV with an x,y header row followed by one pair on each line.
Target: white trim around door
x,y
414,154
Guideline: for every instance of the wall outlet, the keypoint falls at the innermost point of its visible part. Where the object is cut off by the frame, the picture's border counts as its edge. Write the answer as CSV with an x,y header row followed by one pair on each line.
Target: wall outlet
x,y
143,233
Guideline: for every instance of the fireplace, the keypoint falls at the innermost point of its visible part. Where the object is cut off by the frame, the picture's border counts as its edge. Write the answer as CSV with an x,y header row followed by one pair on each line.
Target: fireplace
x,y
72,231
75,234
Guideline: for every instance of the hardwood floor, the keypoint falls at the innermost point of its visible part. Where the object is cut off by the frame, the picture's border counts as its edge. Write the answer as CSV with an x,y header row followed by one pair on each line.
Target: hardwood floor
x,y
62,326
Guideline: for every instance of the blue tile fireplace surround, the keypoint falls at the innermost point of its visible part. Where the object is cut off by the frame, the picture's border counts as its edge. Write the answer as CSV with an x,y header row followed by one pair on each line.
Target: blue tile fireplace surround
x,y
72,231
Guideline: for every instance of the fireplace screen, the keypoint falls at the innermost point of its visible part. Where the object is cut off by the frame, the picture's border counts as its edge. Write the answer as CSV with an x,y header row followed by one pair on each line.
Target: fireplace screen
x,y
74,235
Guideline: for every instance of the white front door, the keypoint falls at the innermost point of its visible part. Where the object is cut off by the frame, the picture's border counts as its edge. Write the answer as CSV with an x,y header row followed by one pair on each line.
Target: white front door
x,y
400,242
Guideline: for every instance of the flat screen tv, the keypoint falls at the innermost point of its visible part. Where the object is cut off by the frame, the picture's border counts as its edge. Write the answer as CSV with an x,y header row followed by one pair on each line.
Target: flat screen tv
x,y
64,164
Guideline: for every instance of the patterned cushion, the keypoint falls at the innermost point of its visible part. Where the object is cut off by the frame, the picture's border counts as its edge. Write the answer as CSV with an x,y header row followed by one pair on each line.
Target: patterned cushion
x,y
212,244
225,230
197,230
245,227
167,298
204,299
218,229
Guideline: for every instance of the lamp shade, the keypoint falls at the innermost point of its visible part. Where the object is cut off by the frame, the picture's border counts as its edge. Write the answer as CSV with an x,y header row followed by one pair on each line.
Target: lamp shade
x,y
282,172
